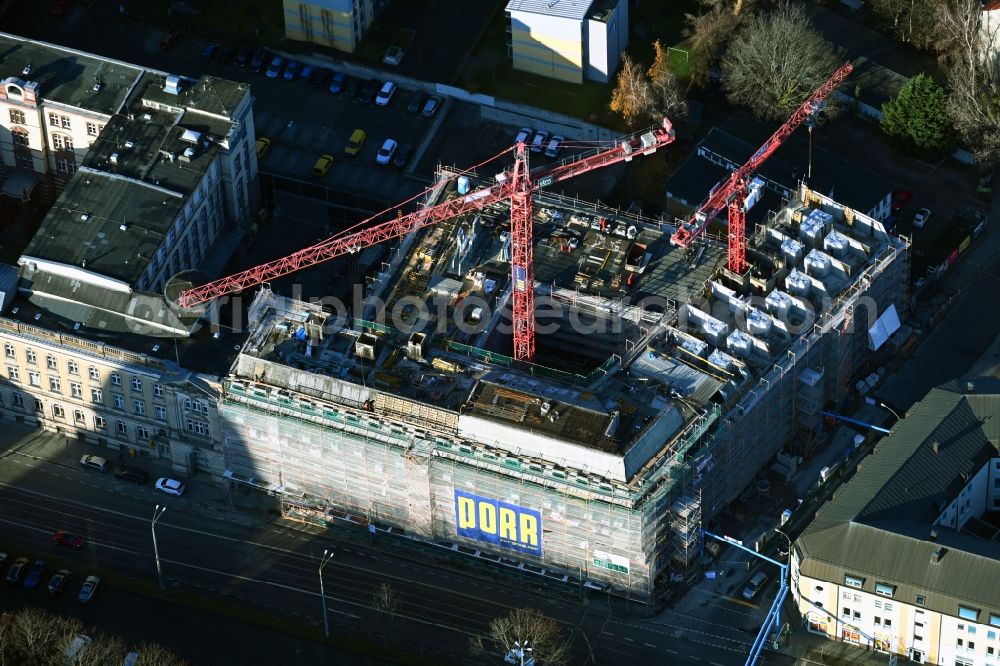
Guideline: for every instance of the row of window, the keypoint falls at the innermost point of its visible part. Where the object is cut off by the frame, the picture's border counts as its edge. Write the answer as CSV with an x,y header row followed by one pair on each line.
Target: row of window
x,y
55,385
52,363
56,120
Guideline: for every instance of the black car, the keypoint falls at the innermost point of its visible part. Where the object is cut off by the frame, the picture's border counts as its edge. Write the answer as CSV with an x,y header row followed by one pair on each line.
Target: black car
x,y
259,61
59,581
351,87
403,155
369,91
320,77
131,474
209,52
226,54
241,58
416,103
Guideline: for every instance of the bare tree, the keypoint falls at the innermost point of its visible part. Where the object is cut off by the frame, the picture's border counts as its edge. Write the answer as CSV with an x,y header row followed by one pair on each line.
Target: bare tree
x,y
632,98
154,654
32,636
102,651
524,626
776,61
667,93
912,21
710,31
386,600
972,64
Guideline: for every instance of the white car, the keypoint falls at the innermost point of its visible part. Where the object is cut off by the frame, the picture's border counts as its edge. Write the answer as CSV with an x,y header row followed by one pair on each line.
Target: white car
x,y
920,219
170,486
538,143
523,135
385,94
554,144
386,152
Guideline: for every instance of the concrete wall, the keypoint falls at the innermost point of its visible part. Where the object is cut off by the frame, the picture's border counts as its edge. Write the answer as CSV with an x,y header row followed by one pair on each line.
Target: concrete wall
x,y
548,46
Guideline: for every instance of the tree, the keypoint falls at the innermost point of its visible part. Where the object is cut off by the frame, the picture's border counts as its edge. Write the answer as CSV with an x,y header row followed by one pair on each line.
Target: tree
x,y
667,93
709,32
776,61
973,71
916,119
386,600
632,98
912,21
524,626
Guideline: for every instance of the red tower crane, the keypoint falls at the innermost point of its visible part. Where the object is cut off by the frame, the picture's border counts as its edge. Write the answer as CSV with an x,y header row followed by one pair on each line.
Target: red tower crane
x,y
732,192
517,184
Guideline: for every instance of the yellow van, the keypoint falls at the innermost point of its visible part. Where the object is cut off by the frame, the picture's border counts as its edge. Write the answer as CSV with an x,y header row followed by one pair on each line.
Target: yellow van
x,y
355,143
322,165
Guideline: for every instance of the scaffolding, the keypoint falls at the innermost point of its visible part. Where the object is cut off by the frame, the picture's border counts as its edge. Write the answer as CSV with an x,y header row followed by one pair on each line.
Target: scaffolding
x,y
685,526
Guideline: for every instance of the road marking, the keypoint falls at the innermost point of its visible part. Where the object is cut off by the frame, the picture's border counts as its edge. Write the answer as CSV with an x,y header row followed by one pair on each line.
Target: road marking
x,y
741,602
649,645
694,657
669,651
630,640
46,530
715,663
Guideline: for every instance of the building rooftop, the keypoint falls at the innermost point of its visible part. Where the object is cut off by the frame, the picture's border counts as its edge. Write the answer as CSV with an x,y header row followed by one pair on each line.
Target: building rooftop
x,y
66,76
886,523
570,9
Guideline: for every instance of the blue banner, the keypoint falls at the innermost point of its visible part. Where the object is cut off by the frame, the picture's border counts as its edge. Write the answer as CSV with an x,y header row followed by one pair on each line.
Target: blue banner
x,y
520,278
498,523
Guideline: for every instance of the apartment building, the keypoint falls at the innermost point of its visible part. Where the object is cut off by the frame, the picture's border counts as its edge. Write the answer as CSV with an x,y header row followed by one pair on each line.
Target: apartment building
x,y
906,559
339,24
569,40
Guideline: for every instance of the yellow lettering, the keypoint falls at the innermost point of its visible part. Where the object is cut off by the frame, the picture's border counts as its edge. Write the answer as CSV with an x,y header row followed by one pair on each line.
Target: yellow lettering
x,y
466,513
508,524
487,518
529,530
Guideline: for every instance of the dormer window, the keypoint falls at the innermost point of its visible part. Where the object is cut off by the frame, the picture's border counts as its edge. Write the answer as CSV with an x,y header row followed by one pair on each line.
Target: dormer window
x,y
14,90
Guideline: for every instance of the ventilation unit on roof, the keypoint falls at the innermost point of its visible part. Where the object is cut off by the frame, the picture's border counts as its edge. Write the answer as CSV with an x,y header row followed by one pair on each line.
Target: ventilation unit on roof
x,y
130,145
84,217
172,85
27,70
114,158
191,136
96,87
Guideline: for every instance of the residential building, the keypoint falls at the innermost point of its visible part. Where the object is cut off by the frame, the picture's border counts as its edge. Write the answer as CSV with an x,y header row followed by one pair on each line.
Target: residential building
x,y
905,558
339,24
569,40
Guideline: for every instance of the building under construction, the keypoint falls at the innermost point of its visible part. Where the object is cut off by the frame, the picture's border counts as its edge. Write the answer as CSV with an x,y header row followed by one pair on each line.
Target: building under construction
x,y
662,385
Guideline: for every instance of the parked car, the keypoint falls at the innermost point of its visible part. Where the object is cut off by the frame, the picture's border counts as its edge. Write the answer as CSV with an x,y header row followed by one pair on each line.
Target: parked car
x,y
94,462
416,102
920,219
242,58
538,143
337,83
34,574
393,55
68,539
320,77
305,74
59,581
76,648
754,585
368,91
352,88
385,94
385,153
322,166
274,68
523,134
227,54
403,154
168,40
431,106
134,474
554,144
209,52
355,143
16,570
170,486
900,198
291,69
258,61
89,589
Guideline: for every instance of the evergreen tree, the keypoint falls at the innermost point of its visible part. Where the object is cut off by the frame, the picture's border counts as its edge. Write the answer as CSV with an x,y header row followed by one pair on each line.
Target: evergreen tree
x,y
917,120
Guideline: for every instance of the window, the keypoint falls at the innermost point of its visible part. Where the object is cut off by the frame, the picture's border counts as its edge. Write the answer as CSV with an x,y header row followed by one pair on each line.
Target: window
x,y
888,622
921,600
57,141
79,416
972,628
846,596
96,396
888,606
991,635
16,399
137,384
960,643
121,427
100,423
54,119
34,378
968,613
17,117
58,412
65,122
990,650
95,374
846,612
39,407
141,432
139,407
878,604
995,619
959,661
50,362
8,350
161,413
23,160
857,615
116,379
30,355
74,369
119,400
971,646
91,129
878,620
158,390
54,385
14,374
197,427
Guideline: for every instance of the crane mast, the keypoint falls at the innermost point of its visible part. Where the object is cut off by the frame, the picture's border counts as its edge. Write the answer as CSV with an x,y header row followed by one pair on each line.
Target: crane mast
x,y
731,194
517,184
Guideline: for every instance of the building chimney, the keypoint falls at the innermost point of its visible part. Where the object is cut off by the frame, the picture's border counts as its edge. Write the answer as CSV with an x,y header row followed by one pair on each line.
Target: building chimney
x,y
933,535
970,387
937,555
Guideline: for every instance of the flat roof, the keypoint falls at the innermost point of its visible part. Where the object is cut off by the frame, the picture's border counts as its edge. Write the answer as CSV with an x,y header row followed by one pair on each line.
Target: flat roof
x,y
67,76
571,9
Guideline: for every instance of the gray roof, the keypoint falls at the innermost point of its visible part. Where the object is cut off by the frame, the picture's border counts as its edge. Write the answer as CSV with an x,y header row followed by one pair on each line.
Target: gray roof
x,y
67,76
98,242
879,526
207,96
571,9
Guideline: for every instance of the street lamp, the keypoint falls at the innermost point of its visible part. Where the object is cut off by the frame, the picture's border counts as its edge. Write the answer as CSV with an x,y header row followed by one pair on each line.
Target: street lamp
x,y
327,556
157,512
891,410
